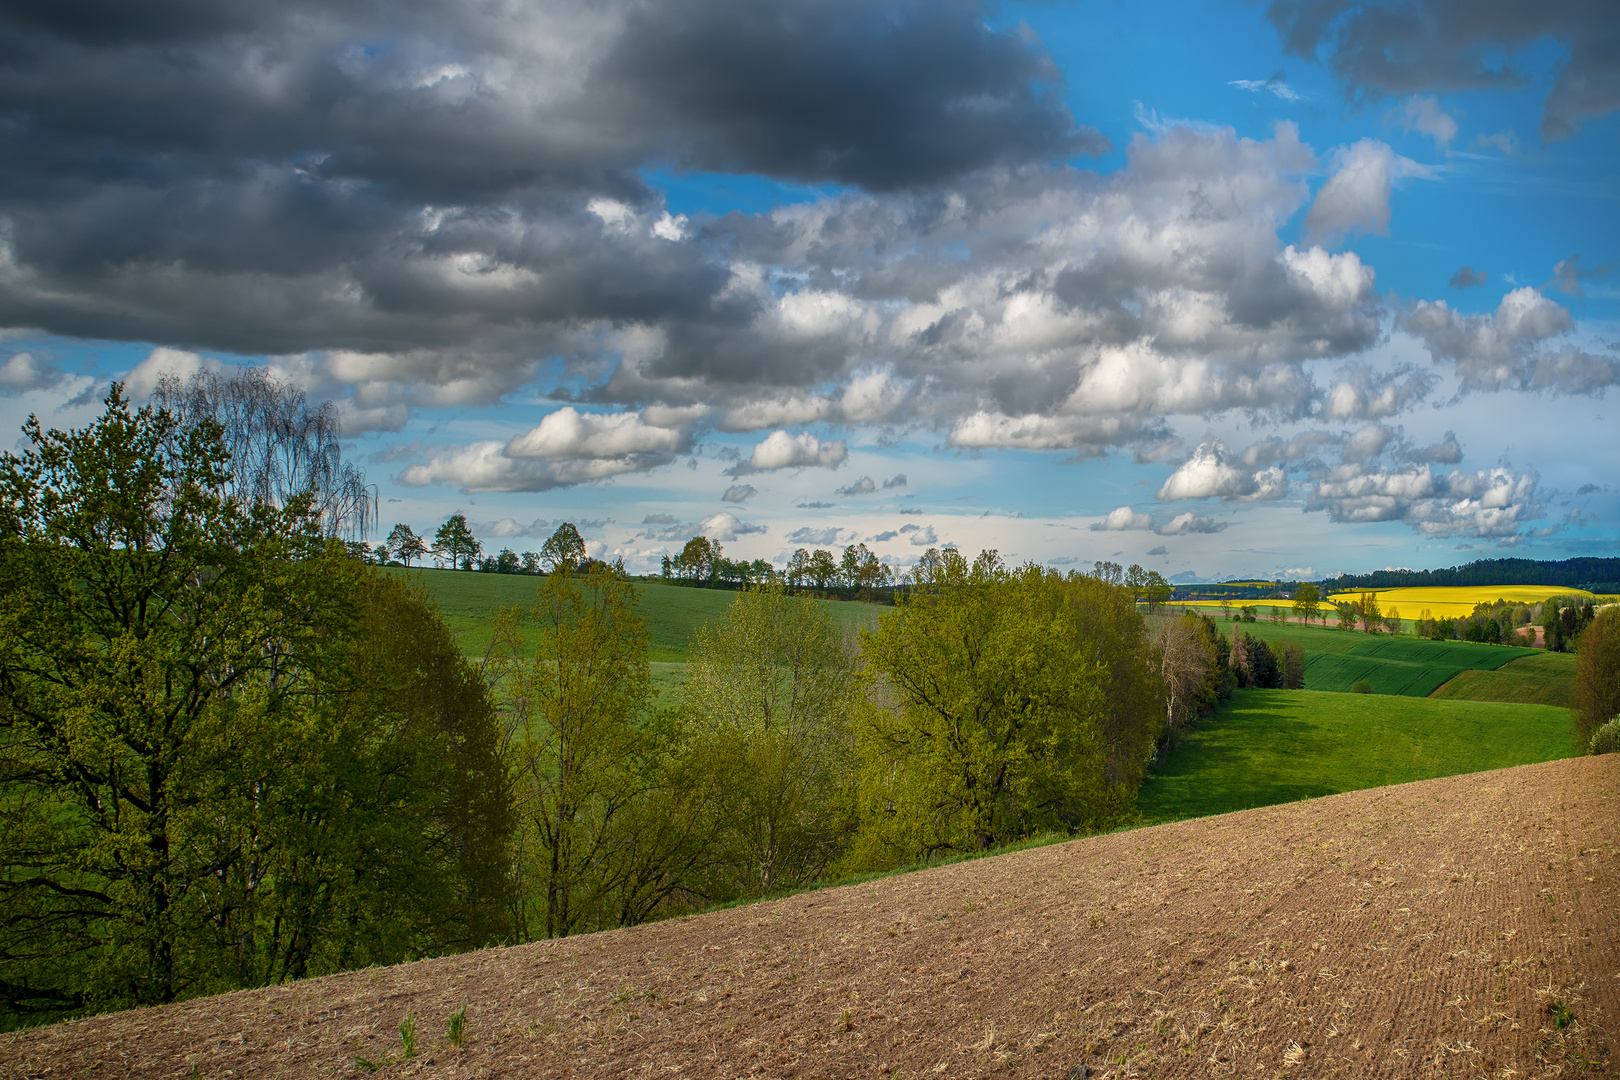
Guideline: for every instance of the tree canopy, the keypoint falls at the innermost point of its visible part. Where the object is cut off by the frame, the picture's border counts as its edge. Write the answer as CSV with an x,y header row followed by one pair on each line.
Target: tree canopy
x,y
229,754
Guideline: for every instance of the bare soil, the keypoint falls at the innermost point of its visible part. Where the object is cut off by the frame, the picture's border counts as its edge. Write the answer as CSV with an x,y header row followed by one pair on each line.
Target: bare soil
x,y
1460,927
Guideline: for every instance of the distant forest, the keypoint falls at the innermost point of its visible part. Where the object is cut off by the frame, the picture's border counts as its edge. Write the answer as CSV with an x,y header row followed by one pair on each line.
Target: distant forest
x,y
1597,575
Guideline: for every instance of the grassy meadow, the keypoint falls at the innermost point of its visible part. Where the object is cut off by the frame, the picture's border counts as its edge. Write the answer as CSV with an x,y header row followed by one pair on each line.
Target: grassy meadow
x,y
469,599
1273,746
1409,666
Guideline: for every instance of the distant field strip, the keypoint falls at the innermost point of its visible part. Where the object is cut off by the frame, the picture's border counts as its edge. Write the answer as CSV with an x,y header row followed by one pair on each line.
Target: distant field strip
x,y
1449,602
1276,746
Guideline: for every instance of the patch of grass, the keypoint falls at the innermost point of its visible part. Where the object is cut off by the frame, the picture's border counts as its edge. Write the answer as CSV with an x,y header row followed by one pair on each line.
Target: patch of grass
x,y
1542,679
1275,746
468,601
456,1026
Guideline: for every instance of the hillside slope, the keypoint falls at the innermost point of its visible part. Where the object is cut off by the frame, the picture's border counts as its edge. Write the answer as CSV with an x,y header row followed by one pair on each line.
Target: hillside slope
x,y
1459,927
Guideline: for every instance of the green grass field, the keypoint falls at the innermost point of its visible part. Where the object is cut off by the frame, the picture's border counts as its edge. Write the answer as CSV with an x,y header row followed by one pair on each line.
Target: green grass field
x,y
1274,746
1403,665
1541,679
468,601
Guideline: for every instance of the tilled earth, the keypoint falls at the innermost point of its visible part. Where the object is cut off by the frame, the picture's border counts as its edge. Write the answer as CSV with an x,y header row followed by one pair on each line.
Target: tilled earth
x,y
1451,928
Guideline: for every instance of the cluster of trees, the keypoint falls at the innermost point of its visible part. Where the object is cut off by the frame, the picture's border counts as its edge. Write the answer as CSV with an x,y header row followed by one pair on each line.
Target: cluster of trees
x,y
1582,573
229,754
1496,623
1563,620
702,562
990,704
1366,610
1144,585
455,543
858,573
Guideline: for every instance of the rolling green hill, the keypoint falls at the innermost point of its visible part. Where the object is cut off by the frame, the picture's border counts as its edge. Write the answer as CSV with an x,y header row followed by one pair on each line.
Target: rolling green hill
x,y
468,600
1541,679
1275,746
1403,665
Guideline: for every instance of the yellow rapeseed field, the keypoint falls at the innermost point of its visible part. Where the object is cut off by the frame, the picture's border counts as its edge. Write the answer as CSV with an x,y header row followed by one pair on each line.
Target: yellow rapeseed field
x,y
1443,602
1451,601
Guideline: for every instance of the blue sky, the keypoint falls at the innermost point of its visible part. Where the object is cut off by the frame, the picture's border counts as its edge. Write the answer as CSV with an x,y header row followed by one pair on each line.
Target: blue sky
x,y
1230,290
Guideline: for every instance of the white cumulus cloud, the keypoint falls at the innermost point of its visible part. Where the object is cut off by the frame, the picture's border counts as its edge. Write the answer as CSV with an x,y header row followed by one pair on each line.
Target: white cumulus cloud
x,y
1210,473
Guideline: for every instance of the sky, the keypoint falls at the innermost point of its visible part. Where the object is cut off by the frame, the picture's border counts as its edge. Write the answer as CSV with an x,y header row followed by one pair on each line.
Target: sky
x,y
1229,290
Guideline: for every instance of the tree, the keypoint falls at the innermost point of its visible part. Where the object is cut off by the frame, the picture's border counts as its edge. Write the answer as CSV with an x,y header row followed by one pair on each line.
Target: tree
x,y
1597,673
507,562
196,792
564,549
994,722
1392,620
1367,607
1136,580
822,571
1293,660
1186,662
577,703
696,562
1255,663
1158,591
1307,601
1348,612
404,543
798,568
531,562
279,447
774,682
861,571
456,541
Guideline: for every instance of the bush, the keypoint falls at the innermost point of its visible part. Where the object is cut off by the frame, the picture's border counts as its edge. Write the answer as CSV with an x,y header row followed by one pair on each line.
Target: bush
x,y
1607,738
1362,687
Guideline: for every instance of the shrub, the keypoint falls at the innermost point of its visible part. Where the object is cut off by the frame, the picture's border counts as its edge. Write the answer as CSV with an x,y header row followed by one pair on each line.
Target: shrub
x,y
1607,738
1362,687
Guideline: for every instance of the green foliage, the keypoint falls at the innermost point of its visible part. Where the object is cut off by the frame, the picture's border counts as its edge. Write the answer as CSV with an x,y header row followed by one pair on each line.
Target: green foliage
x,y
1606,739
1362,687
404,544
563,549
575,706
455,540
773,682
205,780
1275,746
1597,673
998,714
617,808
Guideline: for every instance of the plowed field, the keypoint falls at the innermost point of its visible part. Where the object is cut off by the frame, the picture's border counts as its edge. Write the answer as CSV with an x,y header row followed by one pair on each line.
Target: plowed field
x,y
1468,926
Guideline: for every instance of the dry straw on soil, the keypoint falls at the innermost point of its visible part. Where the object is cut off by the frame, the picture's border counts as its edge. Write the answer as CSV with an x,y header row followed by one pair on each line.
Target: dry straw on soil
x,y
1459,927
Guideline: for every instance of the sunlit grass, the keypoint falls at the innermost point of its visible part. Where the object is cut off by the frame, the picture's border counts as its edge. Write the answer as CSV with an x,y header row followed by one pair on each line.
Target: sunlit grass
x,y
1274,746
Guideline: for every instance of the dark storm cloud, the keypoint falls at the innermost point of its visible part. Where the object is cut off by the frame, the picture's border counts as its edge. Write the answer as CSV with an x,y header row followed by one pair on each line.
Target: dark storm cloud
x,y
279,177
880,95
1405,47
